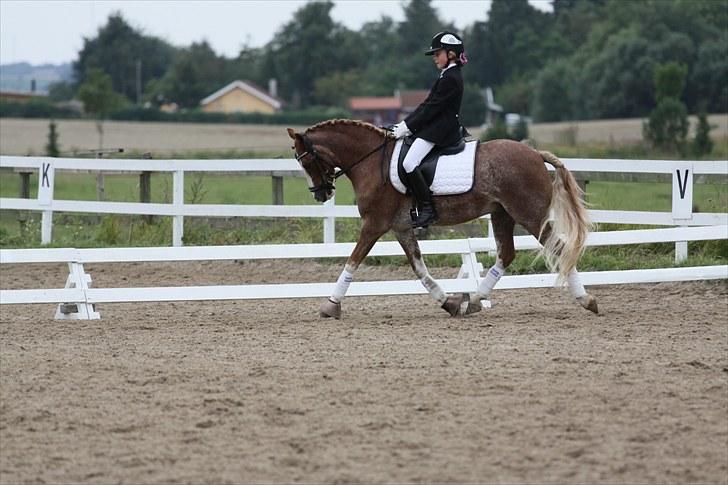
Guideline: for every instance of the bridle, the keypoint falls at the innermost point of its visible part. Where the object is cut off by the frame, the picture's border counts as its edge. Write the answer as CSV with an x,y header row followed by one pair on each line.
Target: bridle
x,y
324,168
328,176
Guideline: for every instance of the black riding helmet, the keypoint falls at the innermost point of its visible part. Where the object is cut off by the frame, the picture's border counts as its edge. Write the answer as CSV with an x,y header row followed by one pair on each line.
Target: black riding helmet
x,y
448,41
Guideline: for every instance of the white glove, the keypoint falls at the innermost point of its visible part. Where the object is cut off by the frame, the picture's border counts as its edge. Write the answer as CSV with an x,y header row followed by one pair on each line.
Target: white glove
x,y
401,130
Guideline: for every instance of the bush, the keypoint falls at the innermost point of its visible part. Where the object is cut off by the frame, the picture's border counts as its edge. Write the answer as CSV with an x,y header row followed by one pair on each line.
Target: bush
x,y
46,109
495,131
308,116
702,144
35,108
52,149
520,131
499,130
667,125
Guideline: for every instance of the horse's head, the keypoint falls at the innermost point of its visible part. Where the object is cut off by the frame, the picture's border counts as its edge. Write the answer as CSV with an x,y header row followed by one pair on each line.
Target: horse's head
x,y
318,164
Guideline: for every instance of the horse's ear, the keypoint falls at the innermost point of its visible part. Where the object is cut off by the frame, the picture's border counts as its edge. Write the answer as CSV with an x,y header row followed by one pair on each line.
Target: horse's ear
x,y
292,133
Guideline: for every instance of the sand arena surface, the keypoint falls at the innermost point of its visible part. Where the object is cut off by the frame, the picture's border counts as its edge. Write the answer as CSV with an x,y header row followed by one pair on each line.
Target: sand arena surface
x,y
534,390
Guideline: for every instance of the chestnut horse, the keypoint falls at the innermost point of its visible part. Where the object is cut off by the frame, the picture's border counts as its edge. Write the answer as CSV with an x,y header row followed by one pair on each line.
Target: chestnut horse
x,y
511,183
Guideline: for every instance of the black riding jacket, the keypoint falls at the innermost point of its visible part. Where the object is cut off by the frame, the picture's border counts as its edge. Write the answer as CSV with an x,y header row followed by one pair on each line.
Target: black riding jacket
x,y
437,118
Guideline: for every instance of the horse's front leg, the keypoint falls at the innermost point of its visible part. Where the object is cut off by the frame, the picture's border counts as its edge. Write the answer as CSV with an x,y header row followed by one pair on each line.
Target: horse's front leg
x,y
369,235
451,304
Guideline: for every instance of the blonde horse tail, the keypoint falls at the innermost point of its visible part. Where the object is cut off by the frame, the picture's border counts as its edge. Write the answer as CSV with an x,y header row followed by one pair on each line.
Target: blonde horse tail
x,y
565,244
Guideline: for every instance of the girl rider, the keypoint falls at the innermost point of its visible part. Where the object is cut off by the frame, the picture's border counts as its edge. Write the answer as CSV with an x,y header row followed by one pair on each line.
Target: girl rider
x,y
435,122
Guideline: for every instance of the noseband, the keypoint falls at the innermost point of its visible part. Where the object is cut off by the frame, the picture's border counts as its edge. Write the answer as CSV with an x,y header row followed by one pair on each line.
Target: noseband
x,y
328,178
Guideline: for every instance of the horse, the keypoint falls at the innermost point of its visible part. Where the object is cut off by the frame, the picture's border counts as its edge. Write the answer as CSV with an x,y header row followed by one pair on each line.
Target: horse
x,y
510,183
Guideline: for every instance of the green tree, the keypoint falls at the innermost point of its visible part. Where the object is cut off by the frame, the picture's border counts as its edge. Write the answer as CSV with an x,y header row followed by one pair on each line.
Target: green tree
x,y
52,149
196,73
472,110
119,50
702,144
99,99
309,47
709,75
552,96
60,91
669,80
336,89
614,81
421,22
667,125
510,43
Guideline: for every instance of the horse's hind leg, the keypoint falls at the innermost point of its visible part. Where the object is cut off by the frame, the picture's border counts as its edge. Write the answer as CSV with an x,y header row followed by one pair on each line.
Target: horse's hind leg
x,y
503,225
451,304
573,280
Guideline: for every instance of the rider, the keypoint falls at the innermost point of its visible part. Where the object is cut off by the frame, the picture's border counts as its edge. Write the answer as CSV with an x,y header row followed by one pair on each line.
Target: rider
x,y
435,122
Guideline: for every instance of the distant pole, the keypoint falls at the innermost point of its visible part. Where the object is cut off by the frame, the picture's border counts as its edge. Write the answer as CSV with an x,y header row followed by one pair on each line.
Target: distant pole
x,y
100,186
139,81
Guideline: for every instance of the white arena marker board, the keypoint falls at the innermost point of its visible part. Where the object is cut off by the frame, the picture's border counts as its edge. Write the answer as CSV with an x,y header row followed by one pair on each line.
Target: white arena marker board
x,y
682,190
45,184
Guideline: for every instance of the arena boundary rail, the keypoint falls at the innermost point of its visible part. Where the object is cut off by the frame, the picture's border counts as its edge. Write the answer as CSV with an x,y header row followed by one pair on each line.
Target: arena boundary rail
x,y
78,300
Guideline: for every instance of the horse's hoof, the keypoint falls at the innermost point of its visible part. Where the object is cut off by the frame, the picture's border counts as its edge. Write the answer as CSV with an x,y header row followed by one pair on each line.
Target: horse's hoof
x,y
588,302
452,305
474,306
330,309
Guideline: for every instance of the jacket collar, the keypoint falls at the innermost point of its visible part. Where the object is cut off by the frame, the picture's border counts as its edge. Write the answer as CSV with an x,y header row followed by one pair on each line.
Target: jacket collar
x,y
452,64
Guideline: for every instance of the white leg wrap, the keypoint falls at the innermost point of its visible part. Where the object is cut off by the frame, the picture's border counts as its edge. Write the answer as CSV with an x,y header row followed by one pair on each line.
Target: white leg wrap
x,y
575,287
342,284
491,278
434,289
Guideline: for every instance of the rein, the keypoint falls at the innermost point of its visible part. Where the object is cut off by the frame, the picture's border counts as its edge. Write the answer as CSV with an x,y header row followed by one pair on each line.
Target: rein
x,y
317,159
382,146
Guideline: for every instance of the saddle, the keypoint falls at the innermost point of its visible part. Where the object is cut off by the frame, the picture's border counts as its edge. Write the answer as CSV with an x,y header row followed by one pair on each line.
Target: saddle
x,y
428,166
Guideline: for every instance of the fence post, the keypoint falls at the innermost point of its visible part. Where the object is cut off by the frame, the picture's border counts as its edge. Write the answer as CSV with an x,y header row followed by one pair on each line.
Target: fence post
x,y
100,183
24,194
145,188
46,185
277,190
330,221
491,235
682,203
178,200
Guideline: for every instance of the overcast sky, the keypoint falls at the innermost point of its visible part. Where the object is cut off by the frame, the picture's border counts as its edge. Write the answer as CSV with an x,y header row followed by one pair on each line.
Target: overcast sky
x,y
40,32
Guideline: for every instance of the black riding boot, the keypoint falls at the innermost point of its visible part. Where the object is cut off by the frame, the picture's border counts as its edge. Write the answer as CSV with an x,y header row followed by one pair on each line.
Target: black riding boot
x,y
425,208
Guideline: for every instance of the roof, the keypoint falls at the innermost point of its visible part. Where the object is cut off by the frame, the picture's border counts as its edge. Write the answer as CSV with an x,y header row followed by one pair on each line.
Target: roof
x,y
249,88
374,102
412,99
23,94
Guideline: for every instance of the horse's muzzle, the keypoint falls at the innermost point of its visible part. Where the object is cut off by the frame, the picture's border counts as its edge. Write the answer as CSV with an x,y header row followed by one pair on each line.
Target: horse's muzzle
x,y
323,194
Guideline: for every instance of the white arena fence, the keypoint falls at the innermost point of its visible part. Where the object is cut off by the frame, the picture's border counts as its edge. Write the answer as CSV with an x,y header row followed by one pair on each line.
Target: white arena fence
x,y
682,173
78,299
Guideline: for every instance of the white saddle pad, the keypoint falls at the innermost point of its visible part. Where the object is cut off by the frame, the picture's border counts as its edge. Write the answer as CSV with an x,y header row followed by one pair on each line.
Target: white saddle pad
x,y
454,173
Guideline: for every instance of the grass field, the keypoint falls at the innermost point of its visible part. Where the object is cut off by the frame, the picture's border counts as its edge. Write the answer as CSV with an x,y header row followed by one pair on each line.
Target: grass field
x,y
29,136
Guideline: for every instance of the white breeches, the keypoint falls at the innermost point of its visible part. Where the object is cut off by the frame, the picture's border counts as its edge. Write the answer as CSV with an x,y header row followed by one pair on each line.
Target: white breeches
x,y
419,149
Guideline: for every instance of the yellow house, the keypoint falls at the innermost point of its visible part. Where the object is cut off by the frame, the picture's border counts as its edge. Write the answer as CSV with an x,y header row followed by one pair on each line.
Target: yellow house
x,y
240,97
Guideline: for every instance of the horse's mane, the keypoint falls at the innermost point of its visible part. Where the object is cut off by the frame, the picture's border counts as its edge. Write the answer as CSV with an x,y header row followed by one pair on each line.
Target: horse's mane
x,y
338,122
